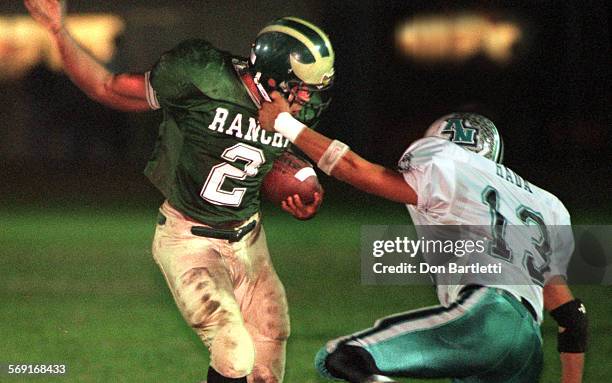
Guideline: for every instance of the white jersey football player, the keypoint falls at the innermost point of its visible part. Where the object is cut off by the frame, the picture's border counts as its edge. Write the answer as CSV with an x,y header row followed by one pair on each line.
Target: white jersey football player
x,y
457,187
486,328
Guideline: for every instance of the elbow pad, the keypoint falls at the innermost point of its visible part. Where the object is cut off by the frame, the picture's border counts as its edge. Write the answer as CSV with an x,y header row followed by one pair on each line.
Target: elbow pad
x,y
571,316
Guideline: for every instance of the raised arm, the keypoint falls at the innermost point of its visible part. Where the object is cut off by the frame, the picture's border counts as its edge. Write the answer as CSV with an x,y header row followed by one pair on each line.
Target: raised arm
x,y
570,314
125,92
334,158
357,171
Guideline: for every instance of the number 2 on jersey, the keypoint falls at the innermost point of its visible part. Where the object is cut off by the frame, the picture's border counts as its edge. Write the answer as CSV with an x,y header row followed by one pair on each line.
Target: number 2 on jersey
x,y
212,190
500,247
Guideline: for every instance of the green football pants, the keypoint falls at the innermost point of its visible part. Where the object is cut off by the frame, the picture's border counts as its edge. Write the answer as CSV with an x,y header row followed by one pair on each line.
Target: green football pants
x,y
487,335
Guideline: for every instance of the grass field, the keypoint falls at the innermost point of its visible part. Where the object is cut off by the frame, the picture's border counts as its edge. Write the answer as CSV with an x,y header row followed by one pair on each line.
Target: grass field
x,y
79,287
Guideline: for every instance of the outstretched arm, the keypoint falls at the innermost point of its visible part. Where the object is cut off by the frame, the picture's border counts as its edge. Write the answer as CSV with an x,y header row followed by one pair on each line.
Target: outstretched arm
x,y
571,316
125,92
355,170
348,166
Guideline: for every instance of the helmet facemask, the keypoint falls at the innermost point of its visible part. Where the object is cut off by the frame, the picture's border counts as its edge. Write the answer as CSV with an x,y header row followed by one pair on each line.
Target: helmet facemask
x,y
312,99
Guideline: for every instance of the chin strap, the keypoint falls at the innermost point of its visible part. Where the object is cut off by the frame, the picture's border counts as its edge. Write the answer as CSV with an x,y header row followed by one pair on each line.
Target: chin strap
x,y
260,87
248,82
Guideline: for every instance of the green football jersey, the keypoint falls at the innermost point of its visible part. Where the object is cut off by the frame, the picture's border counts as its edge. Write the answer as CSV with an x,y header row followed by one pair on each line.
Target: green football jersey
x,y
211,154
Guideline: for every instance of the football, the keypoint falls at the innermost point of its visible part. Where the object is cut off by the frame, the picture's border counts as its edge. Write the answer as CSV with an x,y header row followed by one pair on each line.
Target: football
x,y
290,175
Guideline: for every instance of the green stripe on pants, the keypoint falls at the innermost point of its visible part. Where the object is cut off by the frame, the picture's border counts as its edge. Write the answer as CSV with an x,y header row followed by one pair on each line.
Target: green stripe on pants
x,y
486,336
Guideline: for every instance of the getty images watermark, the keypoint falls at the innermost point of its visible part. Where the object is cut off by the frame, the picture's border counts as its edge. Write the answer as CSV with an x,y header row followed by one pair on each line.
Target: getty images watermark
x,y
450,248
526,254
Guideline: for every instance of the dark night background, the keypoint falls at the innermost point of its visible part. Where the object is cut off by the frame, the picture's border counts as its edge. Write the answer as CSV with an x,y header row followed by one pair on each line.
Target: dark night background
x,y
77,282
551,102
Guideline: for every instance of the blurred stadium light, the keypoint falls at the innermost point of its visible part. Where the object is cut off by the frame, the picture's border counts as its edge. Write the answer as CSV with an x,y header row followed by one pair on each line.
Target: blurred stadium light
x,y
24,44
457,37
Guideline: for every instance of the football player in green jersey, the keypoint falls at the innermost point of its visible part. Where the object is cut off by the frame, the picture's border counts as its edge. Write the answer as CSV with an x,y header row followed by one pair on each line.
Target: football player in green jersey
x,y
209,162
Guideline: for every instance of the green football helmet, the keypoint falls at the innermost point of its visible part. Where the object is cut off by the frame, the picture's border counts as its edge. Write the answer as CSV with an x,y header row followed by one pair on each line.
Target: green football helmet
x,y
291,55
471,131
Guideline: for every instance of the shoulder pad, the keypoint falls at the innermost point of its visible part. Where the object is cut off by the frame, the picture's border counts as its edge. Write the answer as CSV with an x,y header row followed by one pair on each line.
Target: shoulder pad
x,y
422,151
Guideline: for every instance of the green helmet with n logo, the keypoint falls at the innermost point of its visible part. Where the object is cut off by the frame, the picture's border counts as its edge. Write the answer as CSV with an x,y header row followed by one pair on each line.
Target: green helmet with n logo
x,y
292,52
471,131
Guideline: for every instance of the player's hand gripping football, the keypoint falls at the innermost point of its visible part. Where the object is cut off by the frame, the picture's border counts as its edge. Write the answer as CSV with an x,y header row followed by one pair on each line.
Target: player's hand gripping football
x,y
295,206
48,13
270,110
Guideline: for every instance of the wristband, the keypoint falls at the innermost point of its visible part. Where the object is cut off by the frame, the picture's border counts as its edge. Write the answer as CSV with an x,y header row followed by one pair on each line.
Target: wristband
x,y
333,154
288,126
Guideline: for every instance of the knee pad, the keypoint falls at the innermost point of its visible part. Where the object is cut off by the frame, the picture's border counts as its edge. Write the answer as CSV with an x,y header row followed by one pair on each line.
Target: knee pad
x,y
232,352
350,363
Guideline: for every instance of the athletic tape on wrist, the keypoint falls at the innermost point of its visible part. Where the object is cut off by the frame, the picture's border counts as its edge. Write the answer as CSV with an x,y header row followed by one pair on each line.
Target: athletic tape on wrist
x,y
333,154
288,126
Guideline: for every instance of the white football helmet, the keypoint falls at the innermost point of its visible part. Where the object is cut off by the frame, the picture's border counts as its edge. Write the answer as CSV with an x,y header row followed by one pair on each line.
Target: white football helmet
x,y
471,131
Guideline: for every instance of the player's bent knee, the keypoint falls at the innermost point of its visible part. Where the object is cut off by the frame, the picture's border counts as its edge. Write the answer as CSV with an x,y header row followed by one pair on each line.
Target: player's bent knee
x,y
232,352
346,362
279,332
